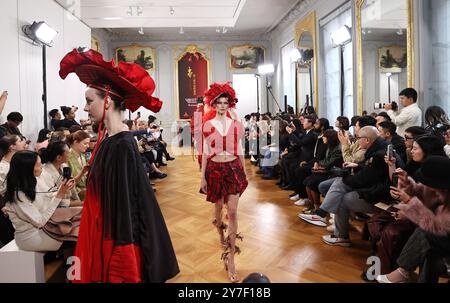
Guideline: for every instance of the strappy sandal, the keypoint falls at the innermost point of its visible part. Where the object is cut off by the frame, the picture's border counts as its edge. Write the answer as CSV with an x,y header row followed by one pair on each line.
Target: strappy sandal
x,y
221,230
232,275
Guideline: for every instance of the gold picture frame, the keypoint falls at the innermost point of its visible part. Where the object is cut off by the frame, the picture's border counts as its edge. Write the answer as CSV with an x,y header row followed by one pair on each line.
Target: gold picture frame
x,y
143,55
308,24
95,43
359,51
246,56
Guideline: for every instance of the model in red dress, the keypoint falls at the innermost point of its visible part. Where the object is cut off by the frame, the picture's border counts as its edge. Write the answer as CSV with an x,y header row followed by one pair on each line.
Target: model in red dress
x,y
223,170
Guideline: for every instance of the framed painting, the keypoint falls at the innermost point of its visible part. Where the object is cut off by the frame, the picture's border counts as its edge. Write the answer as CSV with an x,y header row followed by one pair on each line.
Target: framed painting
x,y
142,55
392,59
246,56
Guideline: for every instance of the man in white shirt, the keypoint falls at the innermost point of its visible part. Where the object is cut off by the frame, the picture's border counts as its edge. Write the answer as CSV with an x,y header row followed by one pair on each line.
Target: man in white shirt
x,y
410,115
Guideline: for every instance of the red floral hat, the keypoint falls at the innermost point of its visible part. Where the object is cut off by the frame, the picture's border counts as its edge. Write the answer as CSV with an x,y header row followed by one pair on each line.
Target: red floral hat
x,y
216,90
134,84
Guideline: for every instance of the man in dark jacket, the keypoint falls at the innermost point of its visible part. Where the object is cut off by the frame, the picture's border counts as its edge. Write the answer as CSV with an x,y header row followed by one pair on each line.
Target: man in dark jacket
x,y
11,127
388,132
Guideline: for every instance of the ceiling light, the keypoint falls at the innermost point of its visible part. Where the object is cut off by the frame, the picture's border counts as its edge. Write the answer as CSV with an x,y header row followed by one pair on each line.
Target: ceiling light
x,y
112,18
172,11
130,11
218,30
40,32
342,36
266,69
224,30
141,31
181,31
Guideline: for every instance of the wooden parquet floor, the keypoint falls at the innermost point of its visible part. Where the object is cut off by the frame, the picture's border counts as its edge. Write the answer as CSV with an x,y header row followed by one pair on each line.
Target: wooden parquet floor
x,y
276,242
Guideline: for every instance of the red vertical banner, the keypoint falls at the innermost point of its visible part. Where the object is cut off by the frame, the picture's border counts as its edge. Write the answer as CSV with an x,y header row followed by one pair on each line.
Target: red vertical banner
x,y
192,82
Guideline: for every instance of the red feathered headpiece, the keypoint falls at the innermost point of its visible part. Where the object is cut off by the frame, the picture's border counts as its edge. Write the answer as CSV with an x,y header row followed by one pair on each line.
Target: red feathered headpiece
x,y
133,83
216,90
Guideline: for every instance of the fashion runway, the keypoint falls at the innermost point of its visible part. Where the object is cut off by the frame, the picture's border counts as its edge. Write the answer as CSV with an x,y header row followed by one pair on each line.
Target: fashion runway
x,y
276,242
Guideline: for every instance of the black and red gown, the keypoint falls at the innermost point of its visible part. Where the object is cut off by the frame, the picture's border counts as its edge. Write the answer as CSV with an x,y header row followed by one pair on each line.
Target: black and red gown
x,y
123,236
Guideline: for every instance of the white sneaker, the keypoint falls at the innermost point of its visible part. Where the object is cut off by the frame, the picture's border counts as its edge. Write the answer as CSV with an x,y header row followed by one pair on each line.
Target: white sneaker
x,y
295,198
301,202
331,228
335,241
331,221
313,219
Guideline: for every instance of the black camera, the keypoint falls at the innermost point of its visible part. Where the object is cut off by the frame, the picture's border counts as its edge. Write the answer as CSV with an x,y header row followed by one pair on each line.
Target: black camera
x,y
67,173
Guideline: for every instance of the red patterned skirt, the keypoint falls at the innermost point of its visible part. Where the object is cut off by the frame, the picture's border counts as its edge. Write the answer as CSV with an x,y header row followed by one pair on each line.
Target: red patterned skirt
x,y
224,179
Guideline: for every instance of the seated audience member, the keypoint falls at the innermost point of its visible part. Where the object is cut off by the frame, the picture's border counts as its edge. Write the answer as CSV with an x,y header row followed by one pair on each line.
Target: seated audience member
x,y
11,127
426,204
309,154
320,170
55,158
63,130
342,124
69,117
355,192
43,139
9,145
75,128
351,151
388,132
55,120
273,152
256,277
28,209
149,157
57,136
387,235
383,117
447,141
411,134
79,143
423,147
410,115
436,121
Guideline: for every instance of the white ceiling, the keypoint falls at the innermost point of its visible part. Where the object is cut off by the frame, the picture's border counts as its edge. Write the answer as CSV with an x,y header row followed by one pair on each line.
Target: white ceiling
x,y
197,17
384,14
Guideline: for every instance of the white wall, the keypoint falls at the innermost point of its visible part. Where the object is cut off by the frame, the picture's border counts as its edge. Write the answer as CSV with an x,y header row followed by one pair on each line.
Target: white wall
x,y
286,33
22,71
164,74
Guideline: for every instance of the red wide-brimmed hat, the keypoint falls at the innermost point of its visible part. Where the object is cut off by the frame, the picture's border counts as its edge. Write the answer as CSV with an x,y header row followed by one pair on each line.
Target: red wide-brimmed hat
x,y
132,82
216,90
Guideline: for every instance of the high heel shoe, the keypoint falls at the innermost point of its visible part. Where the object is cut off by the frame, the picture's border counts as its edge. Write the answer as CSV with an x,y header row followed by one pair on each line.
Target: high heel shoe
x,y
232,275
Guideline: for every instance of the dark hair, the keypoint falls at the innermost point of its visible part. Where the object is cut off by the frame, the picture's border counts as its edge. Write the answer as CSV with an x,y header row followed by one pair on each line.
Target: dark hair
x,y
118,102
247,117
77,136
43,133
435,115
129,123
416,131
385,116
52,151
366,121
15,117
332,137
61,129
389,126
324,124
409,93
65,110
58,136
353,120
21,176
431,146
256,277
343,122
53,113
311,118
74,128
283,125
151,119
5,144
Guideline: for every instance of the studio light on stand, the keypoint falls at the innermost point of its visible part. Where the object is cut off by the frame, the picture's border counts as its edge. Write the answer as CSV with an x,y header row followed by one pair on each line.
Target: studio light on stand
x,y
340,38
267,70
42,35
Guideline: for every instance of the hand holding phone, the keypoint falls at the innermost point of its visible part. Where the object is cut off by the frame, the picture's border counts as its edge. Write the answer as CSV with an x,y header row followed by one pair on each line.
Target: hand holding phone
x,y
67,173
395,180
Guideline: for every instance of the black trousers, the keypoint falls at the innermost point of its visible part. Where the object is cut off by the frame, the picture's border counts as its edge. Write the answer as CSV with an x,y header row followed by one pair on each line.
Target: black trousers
x,y
300,174
288,165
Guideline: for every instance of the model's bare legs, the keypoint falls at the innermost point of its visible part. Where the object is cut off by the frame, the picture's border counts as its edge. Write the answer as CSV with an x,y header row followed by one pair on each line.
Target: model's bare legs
x,y
218,221
228,255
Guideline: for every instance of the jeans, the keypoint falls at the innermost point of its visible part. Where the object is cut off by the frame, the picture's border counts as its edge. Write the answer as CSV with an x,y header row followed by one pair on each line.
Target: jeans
x,y
324,186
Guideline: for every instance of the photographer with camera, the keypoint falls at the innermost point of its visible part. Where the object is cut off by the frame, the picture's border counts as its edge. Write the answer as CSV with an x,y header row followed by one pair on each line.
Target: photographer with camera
x,y
410,115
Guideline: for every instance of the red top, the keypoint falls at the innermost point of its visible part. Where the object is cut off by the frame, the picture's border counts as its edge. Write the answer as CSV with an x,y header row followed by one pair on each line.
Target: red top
x,y
218,143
